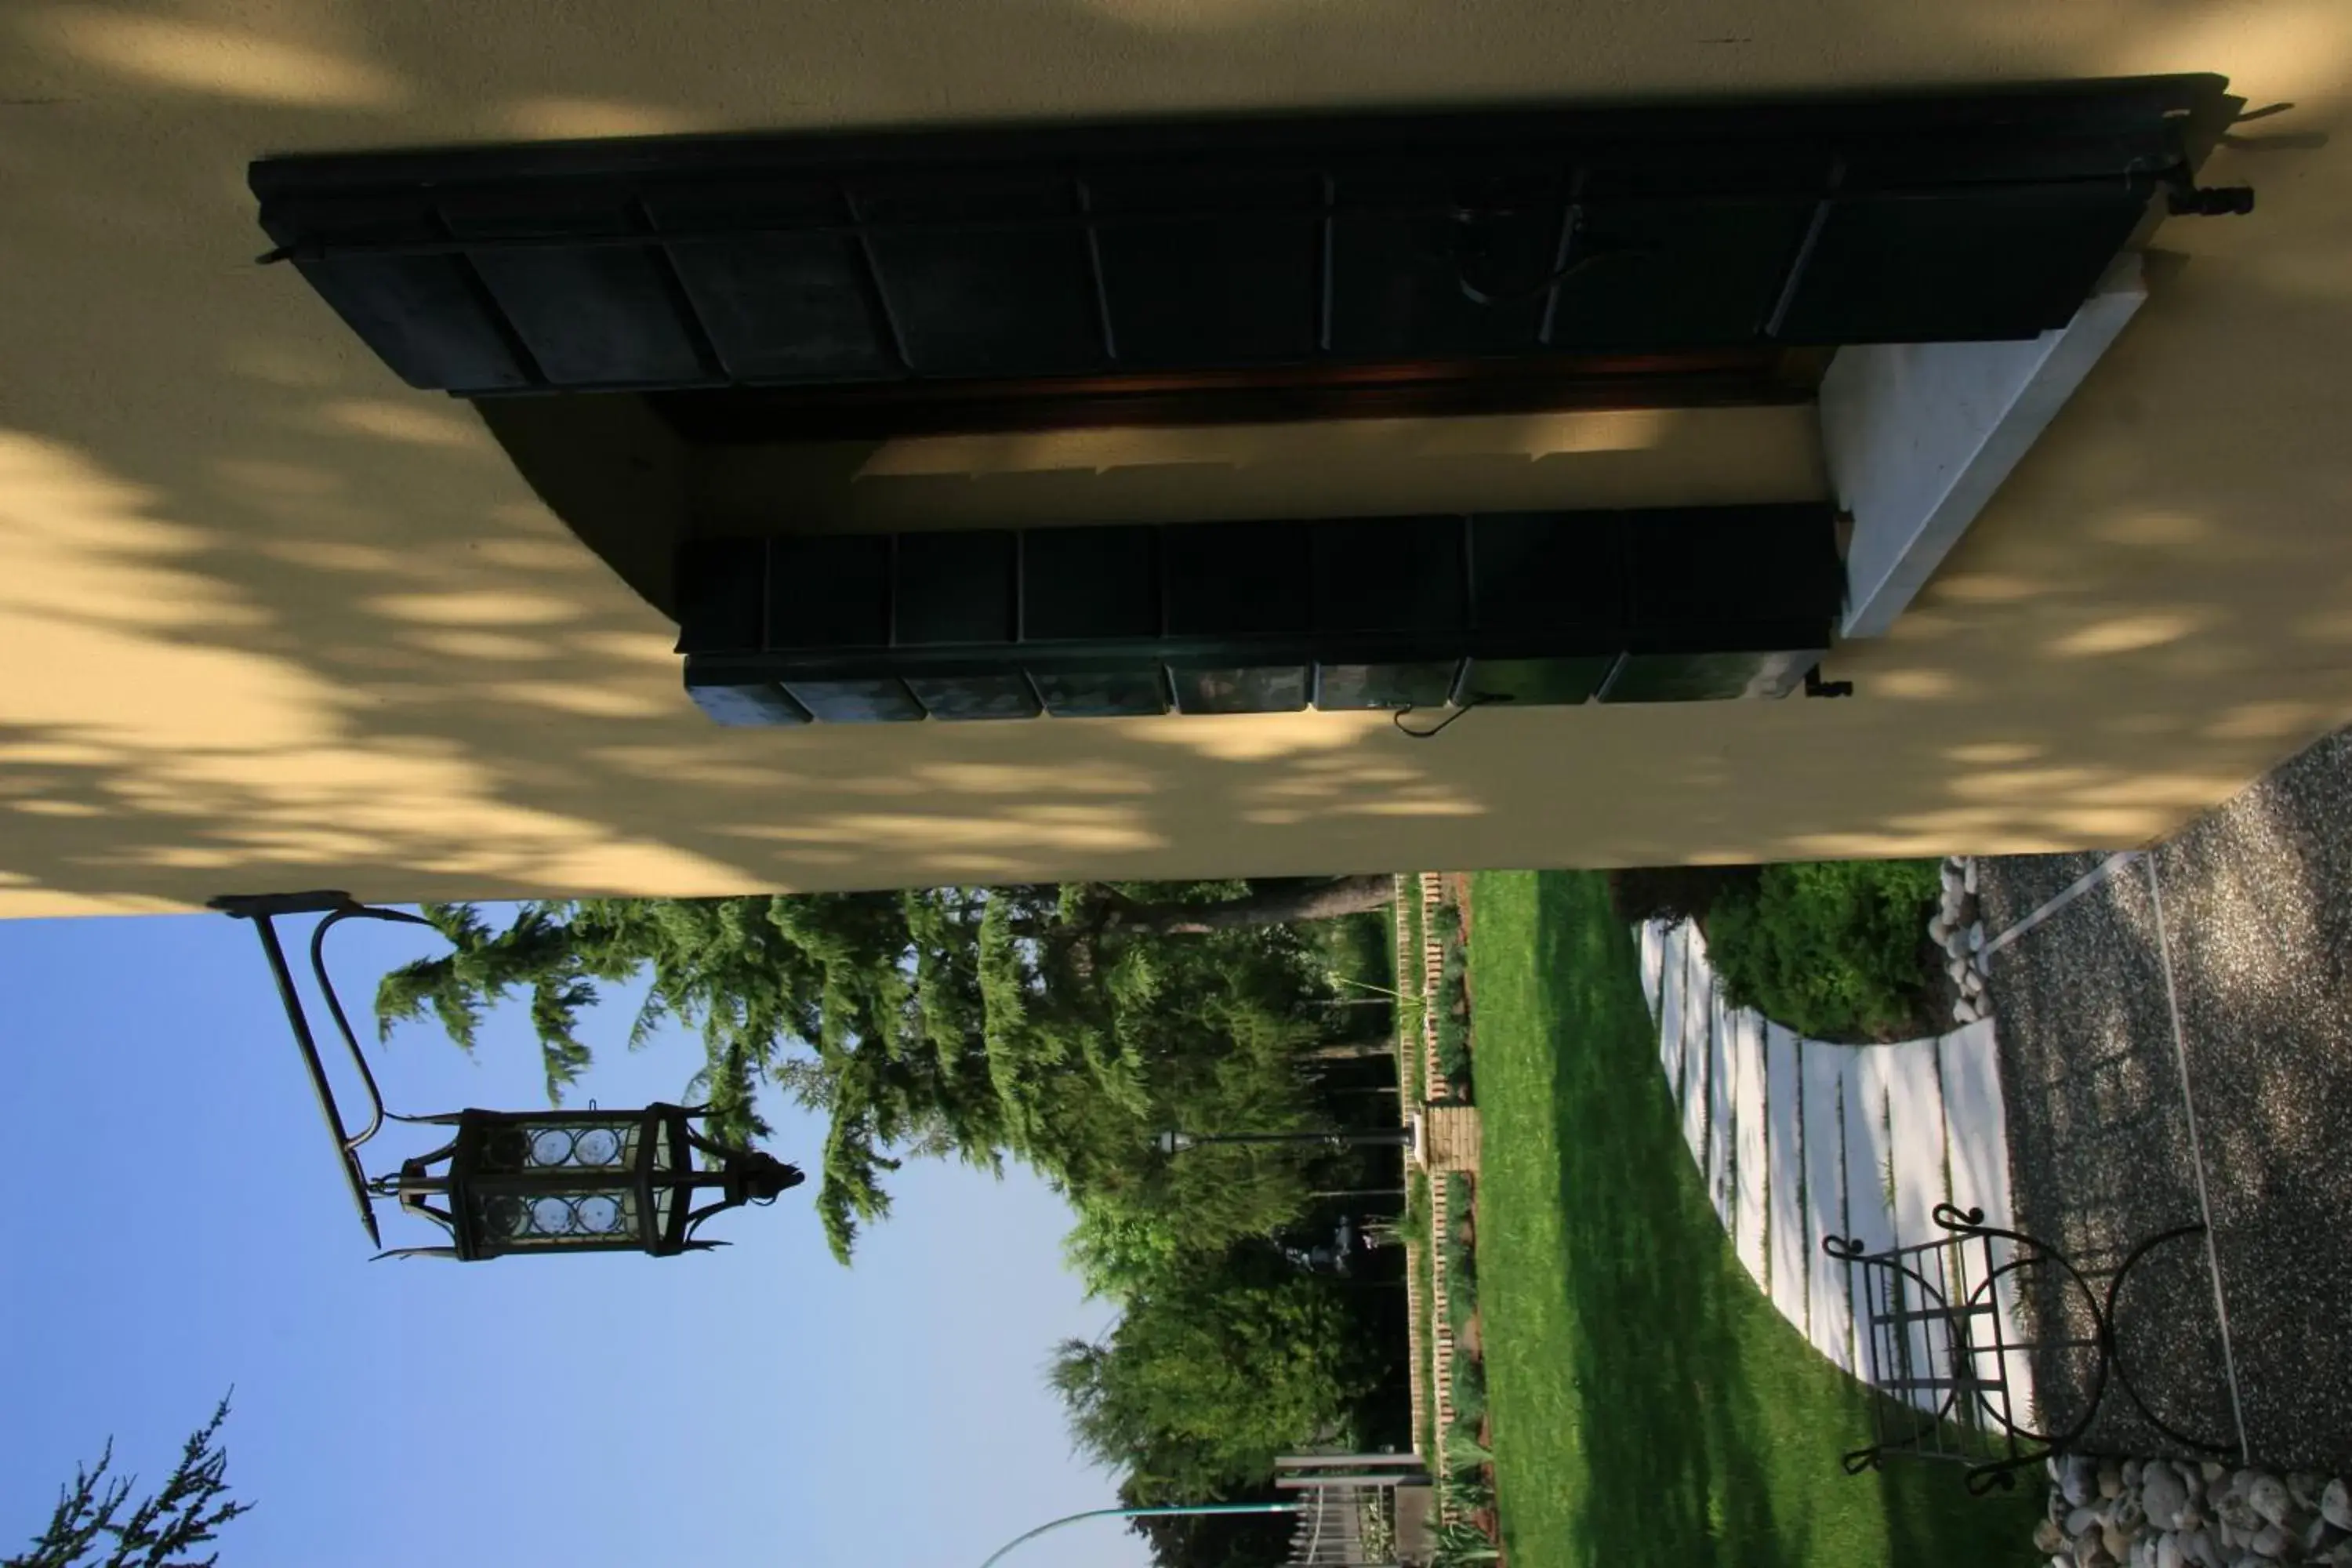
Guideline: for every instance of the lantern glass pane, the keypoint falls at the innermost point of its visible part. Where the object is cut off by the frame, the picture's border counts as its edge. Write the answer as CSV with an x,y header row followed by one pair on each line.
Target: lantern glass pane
x,y
511,1220
674,1156
561,1146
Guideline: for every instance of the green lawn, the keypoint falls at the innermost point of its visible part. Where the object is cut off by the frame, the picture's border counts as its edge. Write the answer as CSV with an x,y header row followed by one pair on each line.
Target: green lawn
x,y
1650,1407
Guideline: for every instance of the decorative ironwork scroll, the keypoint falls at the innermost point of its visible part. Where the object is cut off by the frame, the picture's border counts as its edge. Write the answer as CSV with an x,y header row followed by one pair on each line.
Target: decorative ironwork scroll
x,y
1939,1351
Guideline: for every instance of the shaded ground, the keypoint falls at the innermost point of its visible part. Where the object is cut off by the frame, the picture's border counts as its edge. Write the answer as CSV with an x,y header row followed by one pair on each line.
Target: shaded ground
x,y
2256,902
1649,1407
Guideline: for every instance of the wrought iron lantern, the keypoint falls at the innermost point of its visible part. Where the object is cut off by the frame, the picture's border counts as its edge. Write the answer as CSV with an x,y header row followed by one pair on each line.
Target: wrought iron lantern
x,y
520,1183
579,1181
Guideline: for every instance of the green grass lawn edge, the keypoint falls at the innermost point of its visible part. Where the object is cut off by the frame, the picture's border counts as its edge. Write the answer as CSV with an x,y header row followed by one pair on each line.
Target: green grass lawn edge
x,y
1648,1406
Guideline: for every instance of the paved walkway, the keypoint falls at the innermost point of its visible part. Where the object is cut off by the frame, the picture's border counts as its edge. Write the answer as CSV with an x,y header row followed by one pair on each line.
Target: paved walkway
x,y
1799,1139
2176,1044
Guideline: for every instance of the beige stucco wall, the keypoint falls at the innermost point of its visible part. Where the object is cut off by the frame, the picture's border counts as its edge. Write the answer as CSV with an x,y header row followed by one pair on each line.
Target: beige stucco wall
x,y
267,619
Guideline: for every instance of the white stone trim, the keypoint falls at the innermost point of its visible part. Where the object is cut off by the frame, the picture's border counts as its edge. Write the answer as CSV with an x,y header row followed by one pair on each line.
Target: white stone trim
x,y
1919,436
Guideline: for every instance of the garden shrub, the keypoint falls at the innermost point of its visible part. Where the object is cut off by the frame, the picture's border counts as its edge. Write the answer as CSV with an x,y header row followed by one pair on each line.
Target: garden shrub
x,y
1460,1540
1454,1014
1675,892
1469,1396
1461,1265
1360,947
1836,950
1461,1260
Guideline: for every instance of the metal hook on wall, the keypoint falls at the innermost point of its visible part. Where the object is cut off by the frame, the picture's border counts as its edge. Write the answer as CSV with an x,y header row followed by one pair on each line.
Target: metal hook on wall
x,y
1476,699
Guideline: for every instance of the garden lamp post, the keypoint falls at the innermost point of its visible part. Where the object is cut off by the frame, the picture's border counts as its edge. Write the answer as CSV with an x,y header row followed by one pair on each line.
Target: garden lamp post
x,y
518,1182
1163,1512
1173,1143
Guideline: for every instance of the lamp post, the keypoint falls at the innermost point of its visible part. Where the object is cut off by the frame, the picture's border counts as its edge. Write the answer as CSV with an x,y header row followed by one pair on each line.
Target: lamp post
x,y
1173,1143
1161,1512
518,1184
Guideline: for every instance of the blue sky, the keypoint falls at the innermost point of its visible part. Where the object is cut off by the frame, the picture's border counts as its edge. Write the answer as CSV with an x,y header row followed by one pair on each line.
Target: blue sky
x,y
175,1226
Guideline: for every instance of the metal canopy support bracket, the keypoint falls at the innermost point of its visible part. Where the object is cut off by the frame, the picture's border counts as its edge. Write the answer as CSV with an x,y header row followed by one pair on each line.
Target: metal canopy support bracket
x,y
262,908
516,1182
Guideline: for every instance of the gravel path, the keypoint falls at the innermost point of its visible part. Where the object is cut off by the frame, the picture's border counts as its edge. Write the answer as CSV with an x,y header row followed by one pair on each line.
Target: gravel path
x,y
2256,901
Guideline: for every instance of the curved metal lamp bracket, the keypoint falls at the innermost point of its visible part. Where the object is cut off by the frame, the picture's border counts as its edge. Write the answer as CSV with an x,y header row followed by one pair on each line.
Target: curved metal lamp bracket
x,y
336,907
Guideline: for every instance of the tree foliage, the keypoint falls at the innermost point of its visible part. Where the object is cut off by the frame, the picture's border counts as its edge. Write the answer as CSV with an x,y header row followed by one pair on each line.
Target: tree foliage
x,y
95,1524
1061,1025
1215,1367
1221,1541
1115,1252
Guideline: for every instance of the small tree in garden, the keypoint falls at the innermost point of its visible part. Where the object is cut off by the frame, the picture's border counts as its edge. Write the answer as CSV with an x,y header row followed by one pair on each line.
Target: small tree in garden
x,y
96,1526
1215,1367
